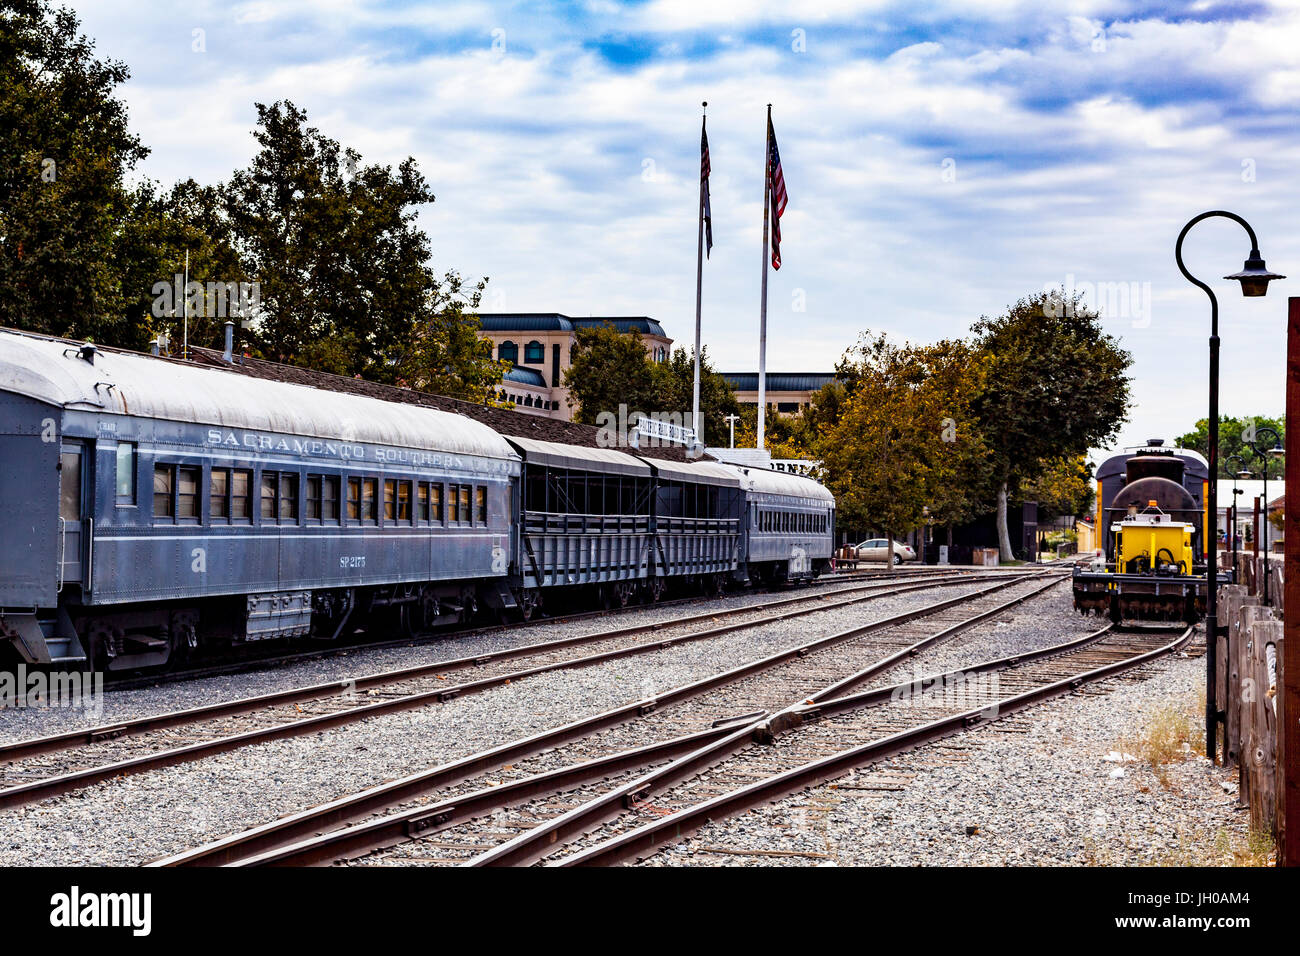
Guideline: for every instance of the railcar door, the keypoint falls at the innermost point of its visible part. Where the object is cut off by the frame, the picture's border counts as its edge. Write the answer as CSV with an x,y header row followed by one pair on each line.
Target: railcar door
x,y
72,514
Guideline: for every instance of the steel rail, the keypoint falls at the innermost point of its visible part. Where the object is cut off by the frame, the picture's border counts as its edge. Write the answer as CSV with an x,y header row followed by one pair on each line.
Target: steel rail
x,y
62,783
35,746
539,841
268,661
395,828
648,837
360,806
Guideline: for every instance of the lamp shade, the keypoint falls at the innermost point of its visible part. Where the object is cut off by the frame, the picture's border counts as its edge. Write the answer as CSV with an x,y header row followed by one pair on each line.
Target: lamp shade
x,y
1254,276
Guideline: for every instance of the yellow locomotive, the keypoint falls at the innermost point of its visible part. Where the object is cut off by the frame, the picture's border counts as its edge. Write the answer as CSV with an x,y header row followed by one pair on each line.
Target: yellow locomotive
x,y
1152,518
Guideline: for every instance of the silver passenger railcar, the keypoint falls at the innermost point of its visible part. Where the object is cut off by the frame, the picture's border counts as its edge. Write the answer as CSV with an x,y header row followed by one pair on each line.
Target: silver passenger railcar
x,y
790,526
145,503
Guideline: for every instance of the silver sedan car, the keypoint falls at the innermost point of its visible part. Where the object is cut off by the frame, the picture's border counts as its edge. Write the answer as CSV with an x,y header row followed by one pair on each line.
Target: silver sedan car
x,y
877,549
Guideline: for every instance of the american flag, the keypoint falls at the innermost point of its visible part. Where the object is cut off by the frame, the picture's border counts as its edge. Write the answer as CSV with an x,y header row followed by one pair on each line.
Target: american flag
x,y
776,192
704,189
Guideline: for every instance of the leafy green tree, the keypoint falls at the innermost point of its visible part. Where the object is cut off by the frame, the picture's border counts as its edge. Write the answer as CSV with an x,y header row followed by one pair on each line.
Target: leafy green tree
x,y
342,267
1234,434
610,368
674,382
1062,487
1057,385
157,232
907,436
445,354
65,150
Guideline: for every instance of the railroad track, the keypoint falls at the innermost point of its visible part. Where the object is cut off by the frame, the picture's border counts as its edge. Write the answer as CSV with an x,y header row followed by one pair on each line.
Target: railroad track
x,y
678,721
43,767
649,799
256,661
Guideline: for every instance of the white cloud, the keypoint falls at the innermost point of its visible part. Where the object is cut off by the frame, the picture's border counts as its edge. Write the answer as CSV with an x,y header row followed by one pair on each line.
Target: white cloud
x,y
537,158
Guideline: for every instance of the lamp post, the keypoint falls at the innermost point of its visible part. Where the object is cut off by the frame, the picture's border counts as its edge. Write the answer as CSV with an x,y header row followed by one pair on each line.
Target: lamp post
x,y
1271,448
731,420
1241,472
1254,278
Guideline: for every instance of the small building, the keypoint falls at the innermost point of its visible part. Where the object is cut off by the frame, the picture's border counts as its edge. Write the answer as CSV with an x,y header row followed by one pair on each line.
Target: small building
x,y
1251,489
543,343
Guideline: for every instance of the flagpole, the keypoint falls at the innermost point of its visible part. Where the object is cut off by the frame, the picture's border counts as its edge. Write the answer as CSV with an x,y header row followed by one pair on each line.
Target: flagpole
x,y
762,315
696,423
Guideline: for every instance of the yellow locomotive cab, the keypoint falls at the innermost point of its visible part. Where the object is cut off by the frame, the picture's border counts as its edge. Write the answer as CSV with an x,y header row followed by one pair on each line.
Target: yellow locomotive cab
x,y
1152,541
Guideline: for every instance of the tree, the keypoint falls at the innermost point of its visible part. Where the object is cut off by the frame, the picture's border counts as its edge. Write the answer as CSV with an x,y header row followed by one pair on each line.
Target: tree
x,y
674,383
157,233
608,369
959,372
1062,487
1056,386
907,436
64,152
342,267
446,355
1234,433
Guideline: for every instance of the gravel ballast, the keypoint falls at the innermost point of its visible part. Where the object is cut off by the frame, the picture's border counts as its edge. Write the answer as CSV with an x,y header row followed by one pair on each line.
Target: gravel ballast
x,y
1059,784
139,818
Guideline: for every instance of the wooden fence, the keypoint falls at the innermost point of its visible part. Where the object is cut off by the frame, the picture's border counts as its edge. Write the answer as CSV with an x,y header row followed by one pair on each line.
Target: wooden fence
x,y
1247,681
1251,569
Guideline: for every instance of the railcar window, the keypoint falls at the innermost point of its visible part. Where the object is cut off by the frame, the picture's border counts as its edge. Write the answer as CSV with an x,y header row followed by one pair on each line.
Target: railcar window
x,y
329,501
269,481
390,500
218,489
70,485
354,499
241,495
125,473
404,502
162,490
311,504
466,515
187,492
370,500
289,498
453,504
480,502
422,502
435,503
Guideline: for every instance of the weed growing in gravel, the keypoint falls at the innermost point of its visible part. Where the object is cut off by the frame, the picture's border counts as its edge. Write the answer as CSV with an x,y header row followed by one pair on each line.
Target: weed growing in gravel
x,y
1171,735
1227,848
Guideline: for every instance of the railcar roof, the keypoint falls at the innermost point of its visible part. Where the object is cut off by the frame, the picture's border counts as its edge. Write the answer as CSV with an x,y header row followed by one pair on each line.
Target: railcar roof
x,y
704,472
561,455
128,383
772,482
505,421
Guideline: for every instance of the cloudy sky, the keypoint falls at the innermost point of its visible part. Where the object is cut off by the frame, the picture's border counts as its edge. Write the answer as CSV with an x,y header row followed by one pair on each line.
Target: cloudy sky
x,y
942,159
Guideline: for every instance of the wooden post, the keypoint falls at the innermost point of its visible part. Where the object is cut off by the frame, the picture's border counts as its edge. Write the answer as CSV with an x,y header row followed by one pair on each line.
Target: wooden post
x,y
1288,742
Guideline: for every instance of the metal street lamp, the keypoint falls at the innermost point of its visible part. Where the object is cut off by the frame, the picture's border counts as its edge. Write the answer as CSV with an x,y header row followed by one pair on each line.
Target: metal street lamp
x,y
1273,450
1254,279
731,420
1242,473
